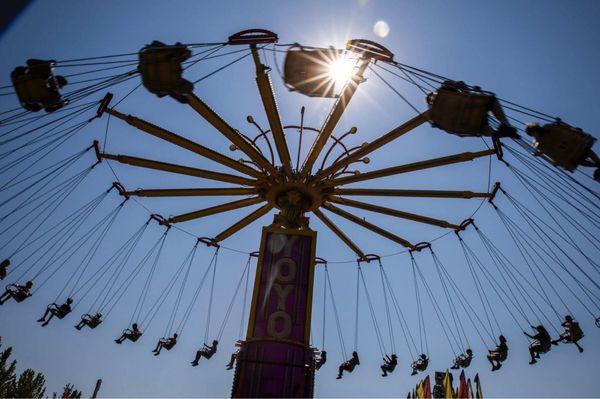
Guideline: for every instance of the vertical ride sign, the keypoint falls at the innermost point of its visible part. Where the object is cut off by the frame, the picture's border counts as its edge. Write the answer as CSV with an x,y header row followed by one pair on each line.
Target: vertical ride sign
x,y
276,360
281,304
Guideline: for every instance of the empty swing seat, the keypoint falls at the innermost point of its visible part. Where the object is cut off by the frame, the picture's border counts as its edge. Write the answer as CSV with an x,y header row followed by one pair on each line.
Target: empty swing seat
x,y
161,70
461,113
307,71
37,87
565,145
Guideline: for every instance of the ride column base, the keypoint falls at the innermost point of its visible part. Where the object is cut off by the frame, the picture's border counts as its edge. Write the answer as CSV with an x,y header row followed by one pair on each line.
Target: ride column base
x,y
274,369
276,359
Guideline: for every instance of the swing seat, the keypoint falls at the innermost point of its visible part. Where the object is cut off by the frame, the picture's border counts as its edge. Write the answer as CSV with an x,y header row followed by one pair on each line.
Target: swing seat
x,y
544,346
349,366
460,113
565,145
134,337
576,335
94,323
131,335
90,321
390,367
502,356
169,346
61,315
20,296
17,294
37,87
307,71
161,71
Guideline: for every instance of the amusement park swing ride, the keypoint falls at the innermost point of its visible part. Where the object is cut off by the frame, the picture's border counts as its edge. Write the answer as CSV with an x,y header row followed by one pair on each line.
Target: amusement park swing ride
x,y
276,357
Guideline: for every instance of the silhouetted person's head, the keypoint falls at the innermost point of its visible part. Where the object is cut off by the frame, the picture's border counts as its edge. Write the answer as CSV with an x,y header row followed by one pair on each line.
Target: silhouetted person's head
x,y
394,356
69,300
175,335
29,284
502,339
215,342
135,326
469,352
423,356
568,318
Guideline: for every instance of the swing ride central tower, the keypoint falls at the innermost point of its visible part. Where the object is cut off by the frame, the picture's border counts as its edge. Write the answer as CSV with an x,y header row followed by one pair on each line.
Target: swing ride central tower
x,y
276,359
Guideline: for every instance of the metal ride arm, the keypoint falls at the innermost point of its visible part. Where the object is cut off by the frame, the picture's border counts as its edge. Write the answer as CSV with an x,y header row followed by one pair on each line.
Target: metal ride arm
x,y
182,170
182,142
191,192
334,117
383,192
378,143
367,225
411,167
393,212
327,222
229,132
268,99
213,210
234,228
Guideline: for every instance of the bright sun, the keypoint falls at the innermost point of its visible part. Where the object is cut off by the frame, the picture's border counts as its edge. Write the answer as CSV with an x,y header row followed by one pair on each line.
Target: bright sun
x,y
341,70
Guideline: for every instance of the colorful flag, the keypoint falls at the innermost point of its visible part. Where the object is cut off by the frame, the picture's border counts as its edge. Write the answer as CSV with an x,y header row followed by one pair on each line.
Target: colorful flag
x,y
427,388
478,393
447,385
420,390
462,386
469,389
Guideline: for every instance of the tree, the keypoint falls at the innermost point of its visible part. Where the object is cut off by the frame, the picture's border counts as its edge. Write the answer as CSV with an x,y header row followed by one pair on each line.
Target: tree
x,y
29,384
7,373
69,392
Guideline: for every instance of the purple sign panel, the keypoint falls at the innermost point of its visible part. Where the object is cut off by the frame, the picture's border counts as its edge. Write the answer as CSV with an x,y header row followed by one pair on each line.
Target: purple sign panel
x,y
281,304
276,360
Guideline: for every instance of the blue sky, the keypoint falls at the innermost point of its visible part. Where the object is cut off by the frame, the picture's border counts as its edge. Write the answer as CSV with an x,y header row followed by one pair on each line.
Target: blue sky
x,y
538,53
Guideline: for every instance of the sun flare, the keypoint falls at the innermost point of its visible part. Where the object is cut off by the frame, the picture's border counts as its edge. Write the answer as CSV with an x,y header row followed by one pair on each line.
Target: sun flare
x,y
341,70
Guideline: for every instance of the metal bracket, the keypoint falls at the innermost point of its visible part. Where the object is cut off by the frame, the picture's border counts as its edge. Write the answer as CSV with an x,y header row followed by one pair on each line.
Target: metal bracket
x,y
493,193
209,242
120,189
498,147
418,247
464,224
160,219
104,104
253,36
320,261
369,258
96,146
369,49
